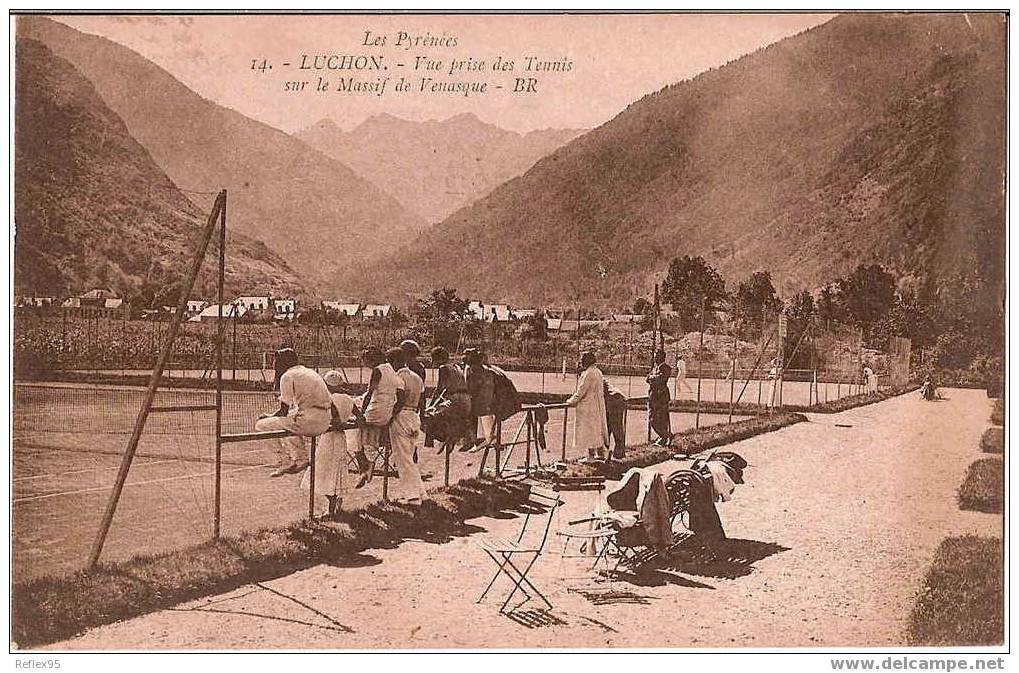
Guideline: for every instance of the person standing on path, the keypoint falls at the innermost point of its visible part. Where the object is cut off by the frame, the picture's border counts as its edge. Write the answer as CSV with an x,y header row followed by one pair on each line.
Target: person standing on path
x,y
590,429
615,416
659,399
406,426
304,412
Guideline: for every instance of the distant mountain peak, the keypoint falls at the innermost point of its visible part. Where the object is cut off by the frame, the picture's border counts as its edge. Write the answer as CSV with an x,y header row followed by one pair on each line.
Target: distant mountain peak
x,y
443,165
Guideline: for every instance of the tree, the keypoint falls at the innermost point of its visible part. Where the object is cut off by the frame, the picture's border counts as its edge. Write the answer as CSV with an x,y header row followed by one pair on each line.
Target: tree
x,y
756,296
829,304
801,307
444,314
867,294
688,281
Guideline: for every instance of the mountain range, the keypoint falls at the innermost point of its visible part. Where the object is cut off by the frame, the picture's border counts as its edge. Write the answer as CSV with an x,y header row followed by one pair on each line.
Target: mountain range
x,y
873,138
92,208
312,210
435,167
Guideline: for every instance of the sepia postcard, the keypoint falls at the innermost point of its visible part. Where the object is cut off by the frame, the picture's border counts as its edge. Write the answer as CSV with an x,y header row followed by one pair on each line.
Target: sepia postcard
x,y
468,331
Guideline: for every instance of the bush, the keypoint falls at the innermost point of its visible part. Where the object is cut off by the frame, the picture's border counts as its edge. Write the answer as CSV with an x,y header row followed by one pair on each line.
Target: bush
x,y
687,442
998,413
993,440
984,486
961,600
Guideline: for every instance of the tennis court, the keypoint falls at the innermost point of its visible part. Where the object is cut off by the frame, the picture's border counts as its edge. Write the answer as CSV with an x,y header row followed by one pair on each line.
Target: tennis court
x,y
68,443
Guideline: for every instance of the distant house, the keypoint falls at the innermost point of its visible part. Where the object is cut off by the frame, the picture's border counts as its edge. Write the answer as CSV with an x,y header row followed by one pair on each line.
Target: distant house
x,y
72,302
34,302
284,309
96,298
211,312
113,302
349,310
490,312
252,303
376,311
195,306
521,313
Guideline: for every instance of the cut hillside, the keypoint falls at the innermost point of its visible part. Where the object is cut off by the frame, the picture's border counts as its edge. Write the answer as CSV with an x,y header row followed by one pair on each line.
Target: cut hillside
x,y
874,138
91,207
311,209
435,167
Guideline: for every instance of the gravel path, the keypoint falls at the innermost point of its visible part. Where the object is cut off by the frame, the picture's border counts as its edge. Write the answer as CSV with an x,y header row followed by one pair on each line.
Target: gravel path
x,y
830,538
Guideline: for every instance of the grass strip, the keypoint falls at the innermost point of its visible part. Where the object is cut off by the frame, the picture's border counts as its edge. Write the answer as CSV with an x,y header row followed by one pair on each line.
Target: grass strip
x,y
961,599
983,488
688,442
993,440
56,608
998,412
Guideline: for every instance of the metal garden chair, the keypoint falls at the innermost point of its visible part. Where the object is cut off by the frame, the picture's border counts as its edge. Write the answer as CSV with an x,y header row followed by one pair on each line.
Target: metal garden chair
x,y
505,552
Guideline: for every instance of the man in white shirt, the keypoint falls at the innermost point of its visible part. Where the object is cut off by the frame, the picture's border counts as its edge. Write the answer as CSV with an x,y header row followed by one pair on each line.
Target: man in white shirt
x,y
304,412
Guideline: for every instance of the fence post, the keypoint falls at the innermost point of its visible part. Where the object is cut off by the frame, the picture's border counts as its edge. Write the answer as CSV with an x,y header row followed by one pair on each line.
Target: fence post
x,y
498,449
700,365
566,418
311,478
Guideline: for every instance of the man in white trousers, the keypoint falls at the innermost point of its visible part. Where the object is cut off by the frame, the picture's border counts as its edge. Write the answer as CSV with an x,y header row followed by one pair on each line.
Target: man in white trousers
x,y
406,426
304,412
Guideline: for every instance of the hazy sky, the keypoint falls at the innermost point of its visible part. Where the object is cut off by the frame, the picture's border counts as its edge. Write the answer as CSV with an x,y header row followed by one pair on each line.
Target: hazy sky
x,y
615,60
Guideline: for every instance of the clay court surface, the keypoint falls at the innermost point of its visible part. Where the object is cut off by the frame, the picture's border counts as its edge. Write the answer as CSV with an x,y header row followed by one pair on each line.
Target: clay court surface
x,y
68,443
829,540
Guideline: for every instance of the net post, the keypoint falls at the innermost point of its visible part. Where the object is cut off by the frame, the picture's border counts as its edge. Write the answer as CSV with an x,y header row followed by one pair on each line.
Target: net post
x,y
220,336
150,392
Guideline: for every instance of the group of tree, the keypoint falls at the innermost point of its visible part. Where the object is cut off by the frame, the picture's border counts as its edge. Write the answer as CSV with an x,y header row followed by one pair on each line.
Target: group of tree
x,y
957,320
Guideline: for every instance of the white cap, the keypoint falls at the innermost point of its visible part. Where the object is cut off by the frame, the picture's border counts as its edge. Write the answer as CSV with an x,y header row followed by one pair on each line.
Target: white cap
x,y
333,378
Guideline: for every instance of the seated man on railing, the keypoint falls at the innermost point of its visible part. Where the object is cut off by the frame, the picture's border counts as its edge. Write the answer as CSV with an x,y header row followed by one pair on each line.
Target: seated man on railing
x,y
304,412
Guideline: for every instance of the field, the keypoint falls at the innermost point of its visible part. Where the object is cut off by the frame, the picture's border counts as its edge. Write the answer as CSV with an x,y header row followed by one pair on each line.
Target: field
x,y
69,438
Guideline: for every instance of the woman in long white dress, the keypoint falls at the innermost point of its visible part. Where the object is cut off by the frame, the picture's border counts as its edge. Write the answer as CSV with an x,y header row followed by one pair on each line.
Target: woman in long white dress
x,y
590,430
331,454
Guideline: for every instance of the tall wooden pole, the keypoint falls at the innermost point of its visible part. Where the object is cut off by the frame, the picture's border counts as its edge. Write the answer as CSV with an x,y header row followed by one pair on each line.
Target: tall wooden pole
x,y
220,336
157,374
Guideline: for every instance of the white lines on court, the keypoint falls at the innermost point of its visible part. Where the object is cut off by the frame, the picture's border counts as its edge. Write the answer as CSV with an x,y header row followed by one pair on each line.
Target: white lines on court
x,y
137,483
115,467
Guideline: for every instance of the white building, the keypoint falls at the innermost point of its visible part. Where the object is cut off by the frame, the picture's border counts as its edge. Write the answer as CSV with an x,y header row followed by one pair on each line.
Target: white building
x,y
284,309
195,306
349,310
252,303
211,312
376,311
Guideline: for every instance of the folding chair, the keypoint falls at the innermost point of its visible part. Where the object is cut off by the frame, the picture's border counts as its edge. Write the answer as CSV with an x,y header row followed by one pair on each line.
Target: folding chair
x,y
502,551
